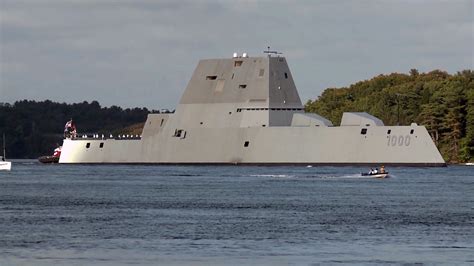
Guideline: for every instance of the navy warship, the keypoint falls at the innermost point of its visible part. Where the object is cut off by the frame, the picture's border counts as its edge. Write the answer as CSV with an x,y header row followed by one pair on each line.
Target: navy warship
x,y
246,110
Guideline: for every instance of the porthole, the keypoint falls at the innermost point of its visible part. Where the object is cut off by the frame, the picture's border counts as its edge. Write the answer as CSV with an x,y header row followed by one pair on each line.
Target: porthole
x,y
363,131
88,145
246,144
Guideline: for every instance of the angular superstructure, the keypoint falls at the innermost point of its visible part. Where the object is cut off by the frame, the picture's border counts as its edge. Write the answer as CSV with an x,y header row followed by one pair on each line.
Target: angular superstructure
x,y
246,110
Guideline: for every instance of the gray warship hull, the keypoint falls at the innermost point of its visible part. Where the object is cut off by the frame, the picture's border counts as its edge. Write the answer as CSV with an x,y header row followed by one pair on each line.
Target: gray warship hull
x,y
247,111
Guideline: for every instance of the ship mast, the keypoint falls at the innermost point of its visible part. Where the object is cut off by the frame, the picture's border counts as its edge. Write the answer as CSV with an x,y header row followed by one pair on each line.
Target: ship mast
x,y
270,52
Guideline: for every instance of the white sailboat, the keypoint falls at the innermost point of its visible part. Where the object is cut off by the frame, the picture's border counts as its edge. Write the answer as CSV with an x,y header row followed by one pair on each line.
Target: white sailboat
x,y
4,165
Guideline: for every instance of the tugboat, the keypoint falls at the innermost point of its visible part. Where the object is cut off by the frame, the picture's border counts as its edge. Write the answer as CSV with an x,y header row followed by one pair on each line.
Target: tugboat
x,y
4,165
70,132
51,158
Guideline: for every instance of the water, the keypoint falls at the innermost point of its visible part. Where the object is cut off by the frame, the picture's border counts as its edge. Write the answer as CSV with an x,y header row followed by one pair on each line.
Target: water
x,y
170,215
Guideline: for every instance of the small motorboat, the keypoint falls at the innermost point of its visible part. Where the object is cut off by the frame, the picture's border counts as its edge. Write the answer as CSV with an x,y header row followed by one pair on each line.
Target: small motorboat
x,y
382,173
378,175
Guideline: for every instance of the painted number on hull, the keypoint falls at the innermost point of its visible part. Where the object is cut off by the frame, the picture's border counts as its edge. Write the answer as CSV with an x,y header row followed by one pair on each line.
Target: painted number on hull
x,y
395,140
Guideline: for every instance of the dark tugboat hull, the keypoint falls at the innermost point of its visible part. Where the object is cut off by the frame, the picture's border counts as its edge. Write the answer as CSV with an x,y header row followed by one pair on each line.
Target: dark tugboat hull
x,y
48,159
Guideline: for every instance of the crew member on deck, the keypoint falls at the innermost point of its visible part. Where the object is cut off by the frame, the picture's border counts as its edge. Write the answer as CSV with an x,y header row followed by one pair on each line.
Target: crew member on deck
x,y
70,129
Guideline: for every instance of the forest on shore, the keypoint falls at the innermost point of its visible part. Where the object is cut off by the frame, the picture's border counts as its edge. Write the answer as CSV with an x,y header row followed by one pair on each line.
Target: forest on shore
x,y
33,129
442,102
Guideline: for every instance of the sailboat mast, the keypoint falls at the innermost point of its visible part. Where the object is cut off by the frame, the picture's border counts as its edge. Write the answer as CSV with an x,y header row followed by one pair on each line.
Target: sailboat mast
x,y
4,146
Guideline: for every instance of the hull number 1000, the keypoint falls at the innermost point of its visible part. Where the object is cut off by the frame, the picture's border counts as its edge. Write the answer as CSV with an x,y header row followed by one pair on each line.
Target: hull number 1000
x,y
395,140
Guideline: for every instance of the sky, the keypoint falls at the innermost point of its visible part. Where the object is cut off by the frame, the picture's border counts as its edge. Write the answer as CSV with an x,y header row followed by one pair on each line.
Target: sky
x,y
142,53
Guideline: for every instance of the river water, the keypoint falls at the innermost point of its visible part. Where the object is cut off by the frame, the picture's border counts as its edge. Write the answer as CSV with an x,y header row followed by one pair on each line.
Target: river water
x,y
208,215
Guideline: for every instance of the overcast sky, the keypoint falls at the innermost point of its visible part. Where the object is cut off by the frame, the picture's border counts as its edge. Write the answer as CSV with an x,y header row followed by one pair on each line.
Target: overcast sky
x,y
142,53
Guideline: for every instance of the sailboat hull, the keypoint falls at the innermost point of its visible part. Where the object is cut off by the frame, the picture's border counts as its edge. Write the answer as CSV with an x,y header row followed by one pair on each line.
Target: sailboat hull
x,y
5,166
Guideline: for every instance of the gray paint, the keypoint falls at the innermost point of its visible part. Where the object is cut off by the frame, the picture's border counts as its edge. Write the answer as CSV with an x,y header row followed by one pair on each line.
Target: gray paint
x,y
231,102
360,119
309,120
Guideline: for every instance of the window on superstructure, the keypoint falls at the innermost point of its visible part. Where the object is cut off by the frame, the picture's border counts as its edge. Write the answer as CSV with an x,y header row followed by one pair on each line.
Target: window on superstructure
x,y
88,145
101,145
363,131
246,144
238,63
177,133
211,77
389,131
261,72
412,131
242,86
286,75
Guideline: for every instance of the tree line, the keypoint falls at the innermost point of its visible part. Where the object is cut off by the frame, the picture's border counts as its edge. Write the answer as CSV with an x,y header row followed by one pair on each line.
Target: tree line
x,y
442,102
33,129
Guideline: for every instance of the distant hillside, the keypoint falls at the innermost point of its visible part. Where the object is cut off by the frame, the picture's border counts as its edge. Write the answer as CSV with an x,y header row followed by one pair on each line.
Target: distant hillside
x,y
35,128
442,102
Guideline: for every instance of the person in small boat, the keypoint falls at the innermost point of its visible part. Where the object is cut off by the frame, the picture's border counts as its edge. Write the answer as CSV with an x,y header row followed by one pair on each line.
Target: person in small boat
x,y
376,171
371,172
382,169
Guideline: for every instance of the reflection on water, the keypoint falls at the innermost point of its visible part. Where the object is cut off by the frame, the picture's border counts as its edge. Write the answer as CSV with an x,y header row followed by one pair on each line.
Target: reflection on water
x,y
122,214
